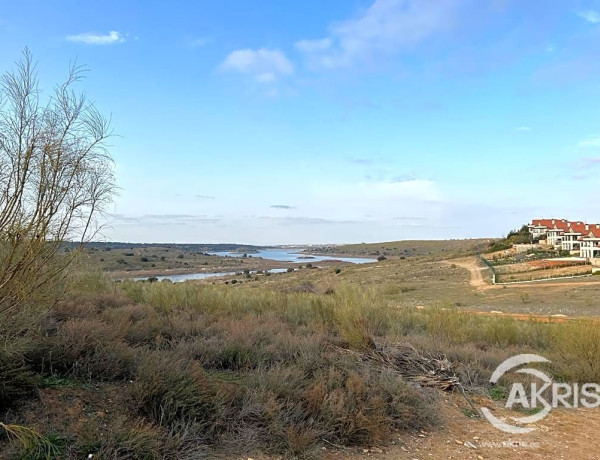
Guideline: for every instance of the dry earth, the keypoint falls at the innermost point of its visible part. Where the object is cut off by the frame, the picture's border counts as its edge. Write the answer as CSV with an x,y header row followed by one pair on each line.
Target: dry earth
x,y
564,434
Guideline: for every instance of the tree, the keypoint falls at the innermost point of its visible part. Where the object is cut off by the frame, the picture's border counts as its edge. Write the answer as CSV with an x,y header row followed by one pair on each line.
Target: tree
x,y
56,179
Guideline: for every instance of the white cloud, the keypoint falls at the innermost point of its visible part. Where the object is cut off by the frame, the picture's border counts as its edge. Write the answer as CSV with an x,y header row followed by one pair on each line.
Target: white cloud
x,y
589,16
590,141
265,65
90,38
387,26
524,128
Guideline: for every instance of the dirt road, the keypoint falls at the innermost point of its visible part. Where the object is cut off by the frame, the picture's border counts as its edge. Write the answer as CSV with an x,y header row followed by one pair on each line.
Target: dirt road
x,y
477,281
473,265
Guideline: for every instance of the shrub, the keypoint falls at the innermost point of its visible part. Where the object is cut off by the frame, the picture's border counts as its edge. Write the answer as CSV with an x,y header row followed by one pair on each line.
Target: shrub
x,y
172,391
304,287
381,258
17,381
577,344
359,316
87,349
343,401
123,439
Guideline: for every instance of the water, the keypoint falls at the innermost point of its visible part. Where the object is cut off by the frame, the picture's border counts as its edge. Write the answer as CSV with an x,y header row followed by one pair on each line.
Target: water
x,y
199,276
185,276
293,255
280,255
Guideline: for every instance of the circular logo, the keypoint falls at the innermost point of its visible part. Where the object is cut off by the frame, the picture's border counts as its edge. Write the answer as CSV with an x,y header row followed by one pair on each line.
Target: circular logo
x,y
517,394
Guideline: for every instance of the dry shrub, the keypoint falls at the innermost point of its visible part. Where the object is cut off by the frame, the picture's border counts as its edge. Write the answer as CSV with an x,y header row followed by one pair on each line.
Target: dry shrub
x,y
472,362
344,402
173,392
364,405
447,324
123,439
576,345
81,306
252,342
359,315
146,331
68,309
113,300
86,348
143,325
306,287
128,313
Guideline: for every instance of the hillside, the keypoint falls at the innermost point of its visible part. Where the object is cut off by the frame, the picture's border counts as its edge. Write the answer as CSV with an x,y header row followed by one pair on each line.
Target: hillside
x,y
411,248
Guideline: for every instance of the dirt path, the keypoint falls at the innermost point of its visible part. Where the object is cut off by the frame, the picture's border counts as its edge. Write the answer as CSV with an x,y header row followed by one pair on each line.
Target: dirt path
x,y
477,281
564,434
471,264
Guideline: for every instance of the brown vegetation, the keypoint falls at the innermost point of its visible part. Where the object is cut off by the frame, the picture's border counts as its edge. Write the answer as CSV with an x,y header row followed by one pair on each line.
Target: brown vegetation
x,y
202,368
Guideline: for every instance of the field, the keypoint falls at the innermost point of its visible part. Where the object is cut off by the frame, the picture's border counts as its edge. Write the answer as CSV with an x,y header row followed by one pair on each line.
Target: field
x,y
154,260
335,362
425,281
122,260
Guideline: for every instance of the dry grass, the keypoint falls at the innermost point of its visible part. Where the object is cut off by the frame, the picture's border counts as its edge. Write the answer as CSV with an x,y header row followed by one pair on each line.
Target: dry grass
x,y
223,369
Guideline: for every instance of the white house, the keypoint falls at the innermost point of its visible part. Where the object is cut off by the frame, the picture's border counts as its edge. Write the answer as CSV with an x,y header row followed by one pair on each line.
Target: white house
x,y
590,244
571,240
568,236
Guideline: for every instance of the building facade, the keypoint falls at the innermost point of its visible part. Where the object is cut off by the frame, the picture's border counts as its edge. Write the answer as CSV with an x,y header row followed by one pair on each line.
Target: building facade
x,y
576,237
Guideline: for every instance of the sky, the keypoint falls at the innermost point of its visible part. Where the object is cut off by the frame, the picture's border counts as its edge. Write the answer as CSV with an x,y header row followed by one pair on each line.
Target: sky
x,y
279,122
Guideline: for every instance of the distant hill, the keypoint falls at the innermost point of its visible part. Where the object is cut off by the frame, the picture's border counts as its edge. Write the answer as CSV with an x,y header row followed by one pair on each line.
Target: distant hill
x,y
411,248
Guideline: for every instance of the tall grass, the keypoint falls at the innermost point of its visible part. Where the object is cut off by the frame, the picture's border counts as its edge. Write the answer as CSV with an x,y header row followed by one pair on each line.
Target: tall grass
x,y
359,316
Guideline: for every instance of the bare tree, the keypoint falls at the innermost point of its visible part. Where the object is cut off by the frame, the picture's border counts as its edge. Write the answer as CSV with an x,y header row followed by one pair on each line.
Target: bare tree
x,y
56,178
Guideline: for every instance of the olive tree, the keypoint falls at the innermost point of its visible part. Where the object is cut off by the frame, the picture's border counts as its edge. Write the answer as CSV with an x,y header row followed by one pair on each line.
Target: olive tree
x,y
56,179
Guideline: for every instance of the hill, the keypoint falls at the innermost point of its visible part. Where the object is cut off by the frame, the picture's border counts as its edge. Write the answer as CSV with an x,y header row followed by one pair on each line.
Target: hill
x,y
411,248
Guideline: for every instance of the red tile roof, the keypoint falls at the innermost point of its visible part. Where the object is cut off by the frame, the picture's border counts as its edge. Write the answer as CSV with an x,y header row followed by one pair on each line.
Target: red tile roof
x,y
561,224
594,231
568,226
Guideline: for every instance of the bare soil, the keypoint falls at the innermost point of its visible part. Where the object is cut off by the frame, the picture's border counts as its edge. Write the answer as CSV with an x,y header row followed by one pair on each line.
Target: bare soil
x,y
564,434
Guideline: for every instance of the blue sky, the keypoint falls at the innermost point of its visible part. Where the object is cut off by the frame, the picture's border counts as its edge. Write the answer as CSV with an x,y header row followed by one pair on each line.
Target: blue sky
x,y
341,121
